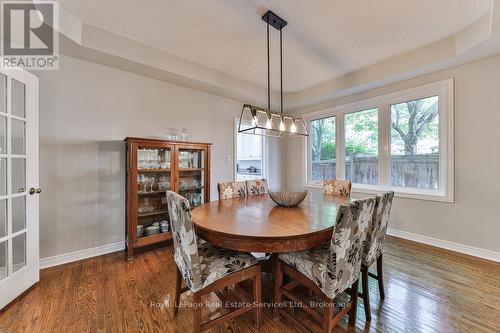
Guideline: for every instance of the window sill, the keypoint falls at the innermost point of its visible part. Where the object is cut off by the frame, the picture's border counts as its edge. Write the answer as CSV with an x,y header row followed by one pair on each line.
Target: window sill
x,y
398,192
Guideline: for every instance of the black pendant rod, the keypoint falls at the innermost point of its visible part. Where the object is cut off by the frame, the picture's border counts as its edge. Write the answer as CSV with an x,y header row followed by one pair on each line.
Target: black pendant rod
x,y
268,71
281,72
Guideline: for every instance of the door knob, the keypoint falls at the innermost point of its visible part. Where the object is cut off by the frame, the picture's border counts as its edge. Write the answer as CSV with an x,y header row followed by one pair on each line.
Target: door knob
x,y
33,191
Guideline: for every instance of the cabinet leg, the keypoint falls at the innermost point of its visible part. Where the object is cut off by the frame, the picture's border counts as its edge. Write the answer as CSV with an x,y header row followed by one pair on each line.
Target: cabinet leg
x,y
130,253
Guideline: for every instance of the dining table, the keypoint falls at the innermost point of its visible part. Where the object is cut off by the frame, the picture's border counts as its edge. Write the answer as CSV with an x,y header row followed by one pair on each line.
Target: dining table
x,y
257,224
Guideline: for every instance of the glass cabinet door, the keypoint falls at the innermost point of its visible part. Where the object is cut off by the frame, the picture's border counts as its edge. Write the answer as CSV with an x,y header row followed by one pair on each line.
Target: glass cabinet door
x,y
154,178
191,168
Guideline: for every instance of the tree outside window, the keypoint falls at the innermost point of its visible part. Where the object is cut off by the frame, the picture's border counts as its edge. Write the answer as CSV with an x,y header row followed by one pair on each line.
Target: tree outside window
x,y
415,143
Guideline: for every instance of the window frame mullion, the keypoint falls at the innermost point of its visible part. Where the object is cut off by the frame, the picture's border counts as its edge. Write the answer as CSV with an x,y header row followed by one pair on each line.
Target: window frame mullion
x,y
339,142
384,143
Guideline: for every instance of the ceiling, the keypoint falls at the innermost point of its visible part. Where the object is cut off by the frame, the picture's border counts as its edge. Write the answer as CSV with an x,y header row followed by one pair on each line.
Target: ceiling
x,y
324,39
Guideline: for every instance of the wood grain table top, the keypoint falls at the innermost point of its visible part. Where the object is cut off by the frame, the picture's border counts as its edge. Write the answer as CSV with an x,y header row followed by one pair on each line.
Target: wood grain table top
x,y
256,223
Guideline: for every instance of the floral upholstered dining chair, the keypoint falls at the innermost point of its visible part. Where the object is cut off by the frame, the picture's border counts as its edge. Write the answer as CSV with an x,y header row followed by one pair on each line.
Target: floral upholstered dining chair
x,y
200,265
337,187
228,190
332,269
257,186
374,247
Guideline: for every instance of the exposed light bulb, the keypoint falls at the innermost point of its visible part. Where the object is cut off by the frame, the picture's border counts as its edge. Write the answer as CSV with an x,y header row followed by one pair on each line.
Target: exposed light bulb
x,y
254,121
282,125
293,128
268,124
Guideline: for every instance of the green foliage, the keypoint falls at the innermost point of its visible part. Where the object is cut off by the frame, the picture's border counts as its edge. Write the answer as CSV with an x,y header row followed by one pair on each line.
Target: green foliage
x,y
361,132
328,151
355,147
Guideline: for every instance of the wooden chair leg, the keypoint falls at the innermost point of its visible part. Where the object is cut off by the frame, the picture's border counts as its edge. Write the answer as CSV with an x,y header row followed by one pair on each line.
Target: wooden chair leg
x,y
257,290
366,293
380,277
354,303
278,283
328,317
197,313
178,284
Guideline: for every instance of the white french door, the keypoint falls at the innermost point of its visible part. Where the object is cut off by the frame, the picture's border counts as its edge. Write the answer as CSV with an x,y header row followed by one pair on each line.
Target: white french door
x,y
19,263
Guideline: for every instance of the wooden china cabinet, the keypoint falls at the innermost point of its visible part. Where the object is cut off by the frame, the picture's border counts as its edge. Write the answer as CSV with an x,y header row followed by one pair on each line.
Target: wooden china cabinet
x,y
153,167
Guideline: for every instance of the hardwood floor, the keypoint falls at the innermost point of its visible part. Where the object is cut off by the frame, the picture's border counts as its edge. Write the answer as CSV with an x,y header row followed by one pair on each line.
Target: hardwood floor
x,y
427,290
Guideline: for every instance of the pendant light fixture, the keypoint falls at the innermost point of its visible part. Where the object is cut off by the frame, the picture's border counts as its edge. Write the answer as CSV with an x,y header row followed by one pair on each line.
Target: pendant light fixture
x,y
260,121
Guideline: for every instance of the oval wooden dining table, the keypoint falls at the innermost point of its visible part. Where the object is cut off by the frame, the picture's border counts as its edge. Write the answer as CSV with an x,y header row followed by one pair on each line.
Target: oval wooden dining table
x,y
257,224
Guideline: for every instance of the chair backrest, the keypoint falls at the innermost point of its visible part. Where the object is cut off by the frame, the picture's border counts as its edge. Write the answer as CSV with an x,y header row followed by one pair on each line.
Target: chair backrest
x,y
346,246
374,244
184,239
228,190
257,186
337,187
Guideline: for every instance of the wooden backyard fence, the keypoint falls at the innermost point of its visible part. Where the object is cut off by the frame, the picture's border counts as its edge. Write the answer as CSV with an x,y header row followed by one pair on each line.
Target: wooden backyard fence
x,y
420,171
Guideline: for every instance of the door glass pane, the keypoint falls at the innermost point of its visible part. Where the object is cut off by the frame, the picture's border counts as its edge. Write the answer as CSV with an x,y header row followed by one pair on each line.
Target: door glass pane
x,y
361,146
3,218
18,137
3,260
18,175
3,176
3,135
3,93
18,99
19,252
18,213
323,149
153,158
415,143
192,175
153,180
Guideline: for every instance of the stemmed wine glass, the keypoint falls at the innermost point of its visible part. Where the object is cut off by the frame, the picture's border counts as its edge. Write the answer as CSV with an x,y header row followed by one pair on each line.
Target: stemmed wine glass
x,y
151,182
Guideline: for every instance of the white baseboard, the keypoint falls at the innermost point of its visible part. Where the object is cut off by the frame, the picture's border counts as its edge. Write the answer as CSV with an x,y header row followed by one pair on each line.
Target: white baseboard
x,y
80,254
105,249
465,249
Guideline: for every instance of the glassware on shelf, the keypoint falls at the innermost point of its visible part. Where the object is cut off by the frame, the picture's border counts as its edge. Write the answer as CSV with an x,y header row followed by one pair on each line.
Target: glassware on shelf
x,y
151,182
153,158
163,183
165,159
145,206
195,156
141,183
140,230
172,134
163,203
189,159
194,199
184,134
164,225
152,230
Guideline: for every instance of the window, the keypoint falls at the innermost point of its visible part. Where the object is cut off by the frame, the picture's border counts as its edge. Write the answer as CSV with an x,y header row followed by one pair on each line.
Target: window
x,y
415,143
323,149
401,141
361,146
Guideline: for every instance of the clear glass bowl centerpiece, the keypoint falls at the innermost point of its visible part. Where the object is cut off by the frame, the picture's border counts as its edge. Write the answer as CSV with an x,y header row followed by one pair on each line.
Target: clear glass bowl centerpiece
x,y
288,198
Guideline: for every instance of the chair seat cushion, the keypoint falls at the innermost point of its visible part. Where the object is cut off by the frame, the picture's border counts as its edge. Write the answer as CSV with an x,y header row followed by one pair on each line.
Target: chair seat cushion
x,y
216,262
313,264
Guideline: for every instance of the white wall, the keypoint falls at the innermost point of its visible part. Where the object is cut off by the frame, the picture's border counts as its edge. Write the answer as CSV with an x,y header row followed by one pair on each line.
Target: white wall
x,y
473,219
86,110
